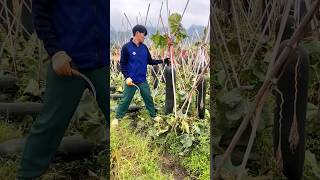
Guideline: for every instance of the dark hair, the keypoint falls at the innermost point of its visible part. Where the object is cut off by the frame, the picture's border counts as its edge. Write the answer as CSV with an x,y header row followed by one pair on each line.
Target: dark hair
x,y
139,28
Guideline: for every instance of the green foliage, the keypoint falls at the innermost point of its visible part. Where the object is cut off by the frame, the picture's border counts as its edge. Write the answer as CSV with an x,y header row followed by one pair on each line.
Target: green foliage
x,y
97,165
90,119
312,46
197,162
8,131
312,124
229,169
176,27
230,108
233,104
159,40
182,138
311,167
265,151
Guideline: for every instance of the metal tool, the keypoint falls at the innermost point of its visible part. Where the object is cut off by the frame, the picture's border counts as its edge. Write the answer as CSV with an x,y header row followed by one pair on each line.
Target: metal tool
x,y
77,73
93,89
137,87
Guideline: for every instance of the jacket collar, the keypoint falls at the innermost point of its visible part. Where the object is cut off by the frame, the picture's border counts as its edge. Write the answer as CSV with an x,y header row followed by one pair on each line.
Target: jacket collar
x,y
131,40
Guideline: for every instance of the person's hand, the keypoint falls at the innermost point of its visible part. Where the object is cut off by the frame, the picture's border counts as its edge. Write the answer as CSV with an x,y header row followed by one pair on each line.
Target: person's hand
x,y
167,61
129,82
61,64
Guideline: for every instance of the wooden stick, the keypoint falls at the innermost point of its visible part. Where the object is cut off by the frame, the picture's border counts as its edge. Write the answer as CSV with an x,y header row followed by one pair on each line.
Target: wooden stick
x,y
184,10
195,85
235,76
280,33
145,22
235,19
128,20
253,135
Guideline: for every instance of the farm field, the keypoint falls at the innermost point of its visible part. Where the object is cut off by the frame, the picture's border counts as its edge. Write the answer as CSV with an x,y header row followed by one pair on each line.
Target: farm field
x,y
178,145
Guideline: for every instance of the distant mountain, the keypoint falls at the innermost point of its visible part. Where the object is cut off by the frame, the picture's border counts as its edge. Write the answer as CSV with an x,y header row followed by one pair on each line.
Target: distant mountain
x,y
196,28
125,35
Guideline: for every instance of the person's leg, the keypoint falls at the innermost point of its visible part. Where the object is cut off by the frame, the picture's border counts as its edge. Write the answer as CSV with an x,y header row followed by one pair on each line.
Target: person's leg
x,y
98,78
147,98
61,98
125,101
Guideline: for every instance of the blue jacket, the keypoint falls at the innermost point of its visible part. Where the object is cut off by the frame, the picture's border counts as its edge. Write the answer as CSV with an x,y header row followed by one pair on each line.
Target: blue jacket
x,y
134,60
79,27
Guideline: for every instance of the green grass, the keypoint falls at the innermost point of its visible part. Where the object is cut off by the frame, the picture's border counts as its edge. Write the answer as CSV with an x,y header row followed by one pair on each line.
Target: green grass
x,y
164,154
132,157
8,131
80,169
198,161
8,167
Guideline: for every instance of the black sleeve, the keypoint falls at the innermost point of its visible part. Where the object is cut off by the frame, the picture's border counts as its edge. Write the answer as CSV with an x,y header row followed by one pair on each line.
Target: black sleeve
x,y
152,61
124,61
42,20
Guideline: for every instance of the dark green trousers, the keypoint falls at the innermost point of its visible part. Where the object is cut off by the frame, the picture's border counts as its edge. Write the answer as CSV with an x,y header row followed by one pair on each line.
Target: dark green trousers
x,y
61,98
128,94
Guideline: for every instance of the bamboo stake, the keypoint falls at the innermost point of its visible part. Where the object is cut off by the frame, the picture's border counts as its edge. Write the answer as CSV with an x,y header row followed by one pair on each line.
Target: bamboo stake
x,y
235,76
145,22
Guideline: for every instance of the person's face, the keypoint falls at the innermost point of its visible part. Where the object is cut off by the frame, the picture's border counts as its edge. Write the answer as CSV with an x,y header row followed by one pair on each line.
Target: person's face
x,y
140,37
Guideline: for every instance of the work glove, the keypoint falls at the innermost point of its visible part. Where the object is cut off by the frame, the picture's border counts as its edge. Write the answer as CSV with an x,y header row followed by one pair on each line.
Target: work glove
x,y
167,61
61,64
129,81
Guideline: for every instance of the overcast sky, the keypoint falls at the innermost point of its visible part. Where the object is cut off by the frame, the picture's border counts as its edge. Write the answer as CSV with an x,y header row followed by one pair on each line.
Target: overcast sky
x,y
197,12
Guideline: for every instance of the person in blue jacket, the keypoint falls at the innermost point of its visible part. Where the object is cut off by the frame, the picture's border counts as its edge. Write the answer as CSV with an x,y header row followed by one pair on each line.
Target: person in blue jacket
x,y
135,57
75,36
